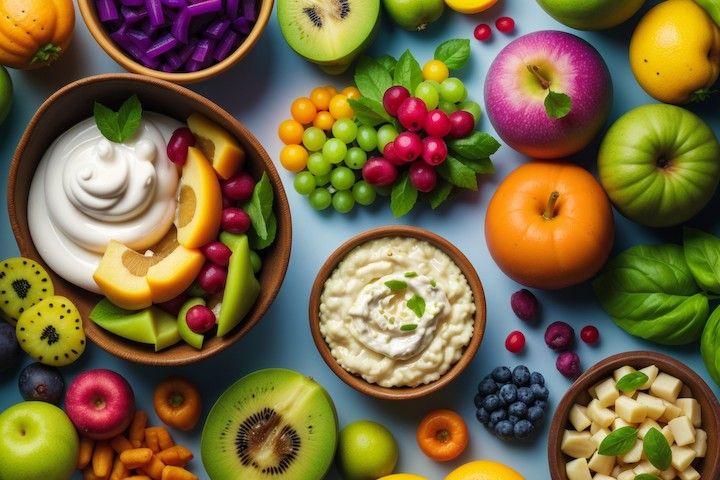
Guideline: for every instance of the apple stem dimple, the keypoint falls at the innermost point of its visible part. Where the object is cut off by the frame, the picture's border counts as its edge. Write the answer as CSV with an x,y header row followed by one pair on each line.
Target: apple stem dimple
x,y
549,212
442,436
535,70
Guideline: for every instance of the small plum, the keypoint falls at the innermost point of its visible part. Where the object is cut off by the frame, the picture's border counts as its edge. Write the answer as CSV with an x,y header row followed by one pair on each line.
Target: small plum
x,y
393,98
390,154
43,383
238,187
568,363
461,124
177,147
412,113
212,278
559,336
200,319
590,334
378,171
235,220
437,123
422,176
218,253
408,146
434,150
525,305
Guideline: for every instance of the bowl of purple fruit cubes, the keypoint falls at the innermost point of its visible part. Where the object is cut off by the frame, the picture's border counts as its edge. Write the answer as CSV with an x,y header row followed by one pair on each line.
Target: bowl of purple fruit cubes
x,y
182,41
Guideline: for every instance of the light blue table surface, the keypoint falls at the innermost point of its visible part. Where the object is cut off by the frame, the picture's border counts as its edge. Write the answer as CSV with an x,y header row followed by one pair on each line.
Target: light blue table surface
x,y
258,91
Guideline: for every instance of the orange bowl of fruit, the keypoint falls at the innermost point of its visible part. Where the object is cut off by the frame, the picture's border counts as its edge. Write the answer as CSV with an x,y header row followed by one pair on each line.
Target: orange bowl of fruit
x,y
154,211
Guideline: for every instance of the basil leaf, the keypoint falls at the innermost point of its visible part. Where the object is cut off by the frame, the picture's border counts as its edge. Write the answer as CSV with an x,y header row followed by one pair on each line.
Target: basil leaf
x,y
646,476
407,72
408,327
106,121
121,125
702,253
619,442
388,62
557,104
454,53
403,197
396,285
417,305
440,193
649,292
656,449
256,243
369,112
479,165
411,274
475,146
257,220
457,173
631,382
259,207
710,345
372,79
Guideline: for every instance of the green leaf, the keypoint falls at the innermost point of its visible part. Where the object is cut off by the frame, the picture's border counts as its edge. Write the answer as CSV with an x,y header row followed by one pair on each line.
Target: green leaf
x,y
619,442
369,112
106,121
557,104
479,165
649,292
710,345
372,79
256,243
454,53
403,197
646,476
259,207
408,72
656,449
417,305
411,274
389,63
631,382
396,285
441,193
457,173
408,327
121,125
257,219
702,254
475,146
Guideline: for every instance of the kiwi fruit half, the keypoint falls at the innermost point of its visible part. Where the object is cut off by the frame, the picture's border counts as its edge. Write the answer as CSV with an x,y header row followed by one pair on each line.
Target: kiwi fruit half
x,y
51,331
273,424
23,283
330,33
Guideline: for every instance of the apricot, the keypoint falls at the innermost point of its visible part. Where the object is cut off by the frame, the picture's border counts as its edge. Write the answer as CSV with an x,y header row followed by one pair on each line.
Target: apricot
x,y
226,155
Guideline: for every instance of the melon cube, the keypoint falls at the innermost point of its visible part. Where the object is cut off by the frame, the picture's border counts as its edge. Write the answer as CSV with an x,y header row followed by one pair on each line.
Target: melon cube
x,y
577,444
682,430
671,411
606,392
668,434
630,410
599,414
601,463
646,426
700,445
578,417
600,476
645,467
635,453
682,457
652,373
691,409
666,387
626,475
619,423
599,436
689,474
655,406
578,470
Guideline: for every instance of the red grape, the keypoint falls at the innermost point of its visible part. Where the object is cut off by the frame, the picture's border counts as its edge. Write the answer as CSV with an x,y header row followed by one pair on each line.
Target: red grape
x,y
212,278
515,342
505,24
412,113
379,171
235,220
437,124
422,176
590,334
239,186
461,124
434,151
218,253
393,98
408,146
391,155
177,147
482,32
200,319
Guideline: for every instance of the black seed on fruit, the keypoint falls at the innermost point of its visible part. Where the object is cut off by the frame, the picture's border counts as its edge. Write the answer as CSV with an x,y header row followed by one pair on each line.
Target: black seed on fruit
x,y
313,16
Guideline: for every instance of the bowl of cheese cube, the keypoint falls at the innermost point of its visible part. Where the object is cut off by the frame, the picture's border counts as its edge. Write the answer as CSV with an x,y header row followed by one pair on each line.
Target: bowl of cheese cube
x,y
636,415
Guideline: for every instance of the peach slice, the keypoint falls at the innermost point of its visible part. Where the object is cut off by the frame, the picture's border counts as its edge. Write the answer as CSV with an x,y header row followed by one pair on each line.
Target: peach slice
x,y
226,155
199,210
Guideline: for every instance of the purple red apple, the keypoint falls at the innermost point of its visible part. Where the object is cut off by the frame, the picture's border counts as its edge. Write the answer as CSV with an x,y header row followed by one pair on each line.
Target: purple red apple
x,y
100,403
521,77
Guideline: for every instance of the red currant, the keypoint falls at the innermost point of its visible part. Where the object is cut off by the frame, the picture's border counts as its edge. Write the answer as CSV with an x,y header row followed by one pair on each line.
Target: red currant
x,y
505,24
589,334
482,32
515,342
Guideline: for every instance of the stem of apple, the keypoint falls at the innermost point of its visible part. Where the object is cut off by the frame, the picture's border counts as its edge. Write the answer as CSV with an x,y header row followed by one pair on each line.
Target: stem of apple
x,y
549,212
535,70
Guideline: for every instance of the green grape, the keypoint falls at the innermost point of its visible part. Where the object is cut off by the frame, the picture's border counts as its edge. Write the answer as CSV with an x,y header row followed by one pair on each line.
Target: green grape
x,y
385,135
363,193
304,183
355,158
447,107
334,150
473,107
367,138
314,139
452,90
343,201
321,180
427,92
342,178
345,129
320,199
318,165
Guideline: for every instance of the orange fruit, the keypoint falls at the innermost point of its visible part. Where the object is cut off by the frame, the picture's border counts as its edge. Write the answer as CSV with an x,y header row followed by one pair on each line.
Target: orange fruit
x,y
303,110
290,131
351,92
320,97
340,108
293,157
435,70
323,121
484,470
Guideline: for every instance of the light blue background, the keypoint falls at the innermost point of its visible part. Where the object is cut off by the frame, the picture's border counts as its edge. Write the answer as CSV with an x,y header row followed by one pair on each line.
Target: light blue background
x,y
258,91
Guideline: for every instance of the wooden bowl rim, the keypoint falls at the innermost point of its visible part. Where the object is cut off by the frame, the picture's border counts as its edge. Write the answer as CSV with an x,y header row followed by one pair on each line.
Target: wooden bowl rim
x,y
356,381
88,12
283,240
690,379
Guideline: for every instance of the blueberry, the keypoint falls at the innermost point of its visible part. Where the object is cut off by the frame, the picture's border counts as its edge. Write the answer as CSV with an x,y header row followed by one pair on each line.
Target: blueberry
x,y
519,409
478,400
535,414
502,374
487,387
482,415
536,377
504,429
525,395
523,429
539,392
491,403
9,348
513,418
540,403
41,382
508,393
498,415
521,376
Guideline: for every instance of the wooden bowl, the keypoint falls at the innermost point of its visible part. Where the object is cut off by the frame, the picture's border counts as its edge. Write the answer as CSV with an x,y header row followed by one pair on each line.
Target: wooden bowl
x,y
73,103
356,381
694,386
88,10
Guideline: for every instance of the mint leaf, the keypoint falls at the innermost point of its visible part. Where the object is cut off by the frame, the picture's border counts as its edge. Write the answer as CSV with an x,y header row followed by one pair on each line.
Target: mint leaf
x,y
656,449
410,274
408,72
403,197
454,53
479,165
417,305
369,112
476,145
457,173
257,243
259,207
408,327
646,476
631,382
396,285
106,121
619,442
121,125
557,104
388,62
440,193
372,79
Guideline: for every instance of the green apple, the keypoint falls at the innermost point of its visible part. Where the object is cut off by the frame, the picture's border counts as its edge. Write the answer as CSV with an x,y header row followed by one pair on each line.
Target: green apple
x,y
591,14
37,441
659,164
366,450
414,14
6,90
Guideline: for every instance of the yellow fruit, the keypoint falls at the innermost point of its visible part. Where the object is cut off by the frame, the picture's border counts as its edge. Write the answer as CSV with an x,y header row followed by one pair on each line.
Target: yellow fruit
x,y
351,92
303,110
323,121
470,6
216,143
340,108
293,157
320,97
675,52
403,476
291,131
484,470
435,70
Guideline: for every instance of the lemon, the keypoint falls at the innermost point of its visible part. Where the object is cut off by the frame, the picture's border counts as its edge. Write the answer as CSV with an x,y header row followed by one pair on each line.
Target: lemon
x,y
484,470
403,476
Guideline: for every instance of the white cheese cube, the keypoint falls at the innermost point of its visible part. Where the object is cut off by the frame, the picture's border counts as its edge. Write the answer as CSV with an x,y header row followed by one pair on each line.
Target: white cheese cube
x,y
682,457
626,475
647,425
645,467
669,474
635,453
607,393
622,371
655,406
666,386
600,476
683,431
578,470
577,444
668,434
601,463
578,417
594,427
619,423
630,410
616,470
671,411
599,436
691,409
599,414
652,373
700,445
689,474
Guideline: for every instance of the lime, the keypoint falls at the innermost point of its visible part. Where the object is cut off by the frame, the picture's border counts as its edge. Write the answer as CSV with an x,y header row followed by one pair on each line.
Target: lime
x,y
6,90
366,450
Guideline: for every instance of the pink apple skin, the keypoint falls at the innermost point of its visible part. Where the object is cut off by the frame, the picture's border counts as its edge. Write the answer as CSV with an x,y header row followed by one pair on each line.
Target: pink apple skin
x,y
514,96
100,403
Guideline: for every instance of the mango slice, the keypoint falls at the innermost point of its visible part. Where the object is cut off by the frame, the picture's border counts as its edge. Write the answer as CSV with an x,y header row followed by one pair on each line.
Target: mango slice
x,y
241,288
226,155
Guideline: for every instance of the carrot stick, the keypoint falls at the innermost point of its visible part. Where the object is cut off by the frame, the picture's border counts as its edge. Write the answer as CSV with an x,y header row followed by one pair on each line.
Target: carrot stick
x,y
85,452
119,471
177,456
102,459
137,428
171,472
120,444
136,457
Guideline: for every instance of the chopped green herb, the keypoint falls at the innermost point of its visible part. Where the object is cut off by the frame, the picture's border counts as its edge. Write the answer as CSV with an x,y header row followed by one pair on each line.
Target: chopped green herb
x,y
410,274
646,476
408,327
391,320
396,285
631,382
121,125
656,449
619,442
417,305
432,283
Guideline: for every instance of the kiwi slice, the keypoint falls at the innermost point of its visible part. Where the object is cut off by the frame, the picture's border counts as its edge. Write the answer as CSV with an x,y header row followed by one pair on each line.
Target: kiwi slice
x,y
51,331
271,424
330,33
23,283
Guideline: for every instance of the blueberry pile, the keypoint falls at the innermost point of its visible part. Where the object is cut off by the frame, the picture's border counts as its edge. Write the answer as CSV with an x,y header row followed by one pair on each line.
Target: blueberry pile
x,y
512,403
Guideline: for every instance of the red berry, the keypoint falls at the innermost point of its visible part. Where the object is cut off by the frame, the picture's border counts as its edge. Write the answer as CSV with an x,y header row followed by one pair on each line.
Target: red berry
x,y
422,176
174,305
379,171
412,113
437,124
434,150
461,124
212,278
218,253
505,24
200,319
393,98
590,334
227,202
177,147
238,187
515,342
482,32
408,146
391,155
235,220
